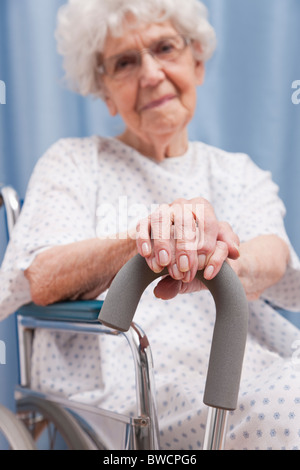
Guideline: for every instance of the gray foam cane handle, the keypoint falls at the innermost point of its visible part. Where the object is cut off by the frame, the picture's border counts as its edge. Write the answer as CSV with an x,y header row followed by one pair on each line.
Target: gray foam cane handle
x,y
230,331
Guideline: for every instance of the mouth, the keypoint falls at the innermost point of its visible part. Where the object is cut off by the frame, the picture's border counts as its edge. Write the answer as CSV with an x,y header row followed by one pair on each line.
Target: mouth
x,y
159,102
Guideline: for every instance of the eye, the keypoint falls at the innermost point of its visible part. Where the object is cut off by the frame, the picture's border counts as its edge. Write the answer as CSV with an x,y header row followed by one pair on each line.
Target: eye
x,y
165,47
125,62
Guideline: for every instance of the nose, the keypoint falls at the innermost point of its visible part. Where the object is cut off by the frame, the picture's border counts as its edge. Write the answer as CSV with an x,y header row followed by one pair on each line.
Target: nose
x,y
151,71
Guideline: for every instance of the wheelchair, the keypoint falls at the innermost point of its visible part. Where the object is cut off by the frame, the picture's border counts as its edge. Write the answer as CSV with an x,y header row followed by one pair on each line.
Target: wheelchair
x,y
86,427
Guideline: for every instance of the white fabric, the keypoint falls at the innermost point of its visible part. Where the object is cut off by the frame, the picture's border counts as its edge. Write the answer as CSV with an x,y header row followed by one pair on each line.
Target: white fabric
x,y
69,198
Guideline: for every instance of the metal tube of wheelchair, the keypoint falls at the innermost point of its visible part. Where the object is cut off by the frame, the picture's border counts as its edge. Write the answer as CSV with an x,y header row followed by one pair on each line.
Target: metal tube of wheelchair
x,y
149,439
216,427
13,205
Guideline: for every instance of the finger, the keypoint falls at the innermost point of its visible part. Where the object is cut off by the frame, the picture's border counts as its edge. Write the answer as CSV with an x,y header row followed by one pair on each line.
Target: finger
x,y
215,261
173,268
194,286
167,288
186,239
143,239
144,244
161,223
153,265
207,229
227,235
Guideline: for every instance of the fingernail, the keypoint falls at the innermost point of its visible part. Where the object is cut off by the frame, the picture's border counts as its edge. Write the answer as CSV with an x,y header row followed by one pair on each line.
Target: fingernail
x,y
163,258
237,248
156,268
145,249
176,273
209,272
184,263
201,262
187,277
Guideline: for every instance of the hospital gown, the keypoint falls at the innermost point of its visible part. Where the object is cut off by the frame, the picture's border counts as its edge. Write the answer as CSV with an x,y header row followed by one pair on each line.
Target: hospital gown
x,y
83,188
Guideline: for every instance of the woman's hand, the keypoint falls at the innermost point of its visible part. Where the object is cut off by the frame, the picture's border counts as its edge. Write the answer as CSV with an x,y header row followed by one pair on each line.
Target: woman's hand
x,y
185,237
262,264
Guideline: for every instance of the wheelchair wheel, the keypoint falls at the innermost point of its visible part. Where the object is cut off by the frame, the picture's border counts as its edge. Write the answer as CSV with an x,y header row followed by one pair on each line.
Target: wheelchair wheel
x,y
14,431
41,416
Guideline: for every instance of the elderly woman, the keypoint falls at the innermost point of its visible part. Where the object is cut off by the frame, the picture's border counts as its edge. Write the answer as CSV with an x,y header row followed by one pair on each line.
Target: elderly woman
x,y
93,203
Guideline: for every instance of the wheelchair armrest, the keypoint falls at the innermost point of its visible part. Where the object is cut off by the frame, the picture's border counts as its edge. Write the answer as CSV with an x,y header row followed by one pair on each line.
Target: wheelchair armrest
x,y
83,311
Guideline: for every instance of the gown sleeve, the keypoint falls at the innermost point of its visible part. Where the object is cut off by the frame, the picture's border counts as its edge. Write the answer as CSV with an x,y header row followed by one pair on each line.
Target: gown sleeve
x,y
58,209
262,212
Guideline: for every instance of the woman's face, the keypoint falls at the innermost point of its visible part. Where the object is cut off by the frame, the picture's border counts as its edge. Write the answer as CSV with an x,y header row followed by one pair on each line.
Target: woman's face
x,y
159,101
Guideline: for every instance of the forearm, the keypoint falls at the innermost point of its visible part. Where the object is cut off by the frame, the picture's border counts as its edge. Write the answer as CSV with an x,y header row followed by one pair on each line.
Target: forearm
x,y
262,263
80,270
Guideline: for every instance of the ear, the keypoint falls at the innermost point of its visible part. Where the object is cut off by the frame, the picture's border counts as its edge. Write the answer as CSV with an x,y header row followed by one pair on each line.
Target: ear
x,y
200,72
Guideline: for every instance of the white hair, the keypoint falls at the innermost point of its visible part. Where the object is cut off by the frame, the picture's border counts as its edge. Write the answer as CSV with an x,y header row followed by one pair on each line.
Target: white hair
x,y
83,25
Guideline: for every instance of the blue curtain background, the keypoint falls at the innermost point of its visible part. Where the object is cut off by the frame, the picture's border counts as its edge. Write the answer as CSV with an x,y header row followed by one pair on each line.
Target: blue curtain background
x,y
245,104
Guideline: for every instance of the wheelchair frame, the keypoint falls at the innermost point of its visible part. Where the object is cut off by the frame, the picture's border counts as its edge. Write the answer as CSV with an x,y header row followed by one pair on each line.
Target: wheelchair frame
x,y
135,433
